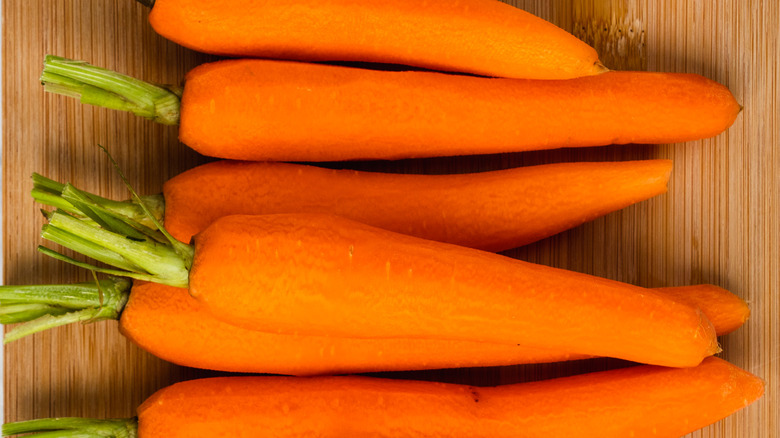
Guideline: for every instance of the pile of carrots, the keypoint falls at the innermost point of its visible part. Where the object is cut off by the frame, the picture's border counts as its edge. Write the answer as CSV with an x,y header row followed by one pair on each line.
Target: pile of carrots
x,y
336,272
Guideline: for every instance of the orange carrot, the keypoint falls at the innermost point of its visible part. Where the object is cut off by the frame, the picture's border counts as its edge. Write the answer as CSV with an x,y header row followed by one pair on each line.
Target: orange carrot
x,y
321,275
286,111
324,275
194,338
485,37
727,313
493,211
640,401
645,400
170,324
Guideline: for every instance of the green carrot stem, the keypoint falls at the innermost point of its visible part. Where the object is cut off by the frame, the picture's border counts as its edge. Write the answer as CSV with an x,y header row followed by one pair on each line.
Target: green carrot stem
x,y
182,249
74,427
116,272
16,313
100,215
41,307
50,192
70,296
87,247
159,261
108,89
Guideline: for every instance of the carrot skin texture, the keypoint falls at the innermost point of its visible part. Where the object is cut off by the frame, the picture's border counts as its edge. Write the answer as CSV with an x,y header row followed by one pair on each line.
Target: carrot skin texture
x,y
484,37
325,275
194,338
260,110
606,404
493,211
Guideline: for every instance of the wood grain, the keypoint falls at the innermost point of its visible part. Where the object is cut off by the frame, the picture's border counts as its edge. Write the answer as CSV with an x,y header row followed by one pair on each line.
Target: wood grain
x,y
718,223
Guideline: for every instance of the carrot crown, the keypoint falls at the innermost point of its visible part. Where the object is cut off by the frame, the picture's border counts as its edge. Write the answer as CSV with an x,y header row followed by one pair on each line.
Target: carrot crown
x,y
109,89
112,232
42,307
72,427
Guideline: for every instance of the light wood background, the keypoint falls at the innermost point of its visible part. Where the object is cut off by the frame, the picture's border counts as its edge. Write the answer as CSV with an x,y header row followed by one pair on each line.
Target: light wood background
x,y
718,223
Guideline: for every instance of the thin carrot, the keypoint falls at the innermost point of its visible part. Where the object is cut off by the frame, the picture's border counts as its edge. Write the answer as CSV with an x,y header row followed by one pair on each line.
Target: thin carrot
x,y
321,275
485,37
168,323
640,401
493,211
286,111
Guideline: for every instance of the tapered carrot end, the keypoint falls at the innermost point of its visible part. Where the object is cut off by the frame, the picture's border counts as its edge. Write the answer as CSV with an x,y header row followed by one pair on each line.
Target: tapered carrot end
x,y
725,310
739,387
599,68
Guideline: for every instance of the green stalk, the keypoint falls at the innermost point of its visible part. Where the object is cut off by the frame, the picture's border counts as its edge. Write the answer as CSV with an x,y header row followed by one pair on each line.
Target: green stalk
x,y
108,89
54,194
74,427
41,307
147,259
92,226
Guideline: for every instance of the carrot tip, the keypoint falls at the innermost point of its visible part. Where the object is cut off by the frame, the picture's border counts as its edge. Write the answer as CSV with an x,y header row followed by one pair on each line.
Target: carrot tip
x,y
599,68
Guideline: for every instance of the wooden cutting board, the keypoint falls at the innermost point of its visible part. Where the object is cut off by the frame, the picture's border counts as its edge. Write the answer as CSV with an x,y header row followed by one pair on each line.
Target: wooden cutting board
x,y
718,223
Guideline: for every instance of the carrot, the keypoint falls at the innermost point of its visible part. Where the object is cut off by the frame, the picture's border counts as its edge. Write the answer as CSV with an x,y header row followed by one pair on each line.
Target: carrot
x,y
640,401
485,37
321,275
329,276
725,317
285,111
168,323
493,211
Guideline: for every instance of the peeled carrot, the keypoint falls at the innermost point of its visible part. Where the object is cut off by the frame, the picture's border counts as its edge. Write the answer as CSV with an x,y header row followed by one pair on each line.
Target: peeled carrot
x,y
640,401
321,275
493,211
725,317
286,111
168,323
485,37
212,344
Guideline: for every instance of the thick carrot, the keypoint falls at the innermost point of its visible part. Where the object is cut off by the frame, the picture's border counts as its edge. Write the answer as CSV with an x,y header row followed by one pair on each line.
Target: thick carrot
x,y
286,111
640,401
329,276
493,211
170,324
485,37
321,275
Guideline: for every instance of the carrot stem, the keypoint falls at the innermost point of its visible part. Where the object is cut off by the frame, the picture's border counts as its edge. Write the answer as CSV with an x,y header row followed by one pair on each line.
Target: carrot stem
x,y
15,313
52,193
147,259
74,427
42,307
105,88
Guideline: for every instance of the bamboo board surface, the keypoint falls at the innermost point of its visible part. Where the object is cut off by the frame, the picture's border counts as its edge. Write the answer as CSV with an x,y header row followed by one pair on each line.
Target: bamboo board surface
x,y
718,223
